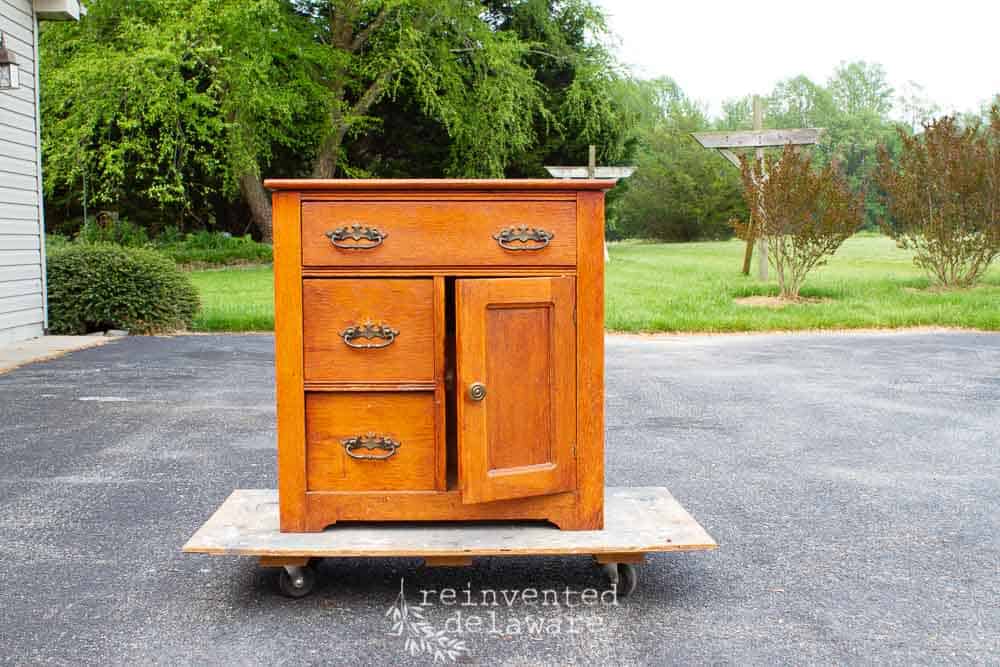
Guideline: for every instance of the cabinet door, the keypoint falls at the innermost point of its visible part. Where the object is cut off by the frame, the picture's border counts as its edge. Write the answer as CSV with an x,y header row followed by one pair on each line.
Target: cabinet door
x,y
516,368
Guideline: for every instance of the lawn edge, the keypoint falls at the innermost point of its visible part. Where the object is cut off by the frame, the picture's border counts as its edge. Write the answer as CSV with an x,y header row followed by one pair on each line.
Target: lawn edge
x,y
785,332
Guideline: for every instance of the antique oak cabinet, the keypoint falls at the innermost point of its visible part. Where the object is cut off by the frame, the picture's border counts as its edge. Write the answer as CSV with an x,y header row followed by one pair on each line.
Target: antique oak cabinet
x,y
439,350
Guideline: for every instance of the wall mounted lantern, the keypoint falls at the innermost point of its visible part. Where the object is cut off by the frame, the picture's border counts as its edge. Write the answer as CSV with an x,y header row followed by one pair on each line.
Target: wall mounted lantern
x,y
9,70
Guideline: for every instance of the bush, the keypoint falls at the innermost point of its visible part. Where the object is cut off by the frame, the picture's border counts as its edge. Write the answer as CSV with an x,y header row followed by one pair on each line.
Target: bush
x,y
804,214
56,242
95,287
212,248
944,199
199,248
120,232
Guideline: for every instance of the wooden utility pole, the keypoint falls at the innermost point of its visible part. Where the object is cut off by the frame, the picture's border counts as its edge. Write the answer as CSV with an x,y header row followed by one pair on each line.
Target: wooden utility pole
x,y
758,138
758,125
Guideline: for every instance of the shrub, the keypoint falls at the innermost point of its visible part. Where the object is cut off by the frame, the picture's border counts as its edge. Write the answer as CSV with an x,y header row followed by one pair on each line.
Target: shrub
x,y
212,248
94,287
804,214
120,232
943,198
55,242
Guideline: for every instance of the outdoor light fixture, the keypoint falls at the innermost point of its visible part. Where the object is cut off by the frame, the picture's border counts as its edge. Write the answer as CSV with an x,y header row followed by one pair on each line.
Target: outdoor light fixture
x,y
9,71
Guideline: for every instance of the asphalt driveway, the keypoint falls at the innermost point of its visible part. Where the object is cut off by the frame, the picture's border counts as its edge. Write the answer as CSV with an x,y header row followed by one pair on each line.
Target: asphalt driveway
x,y
853,482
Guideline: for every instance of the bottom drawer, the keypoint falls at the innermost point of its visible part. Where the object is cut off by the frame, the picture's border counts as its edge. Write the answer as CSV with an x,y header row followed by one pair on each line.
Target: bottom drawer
x,y
370,441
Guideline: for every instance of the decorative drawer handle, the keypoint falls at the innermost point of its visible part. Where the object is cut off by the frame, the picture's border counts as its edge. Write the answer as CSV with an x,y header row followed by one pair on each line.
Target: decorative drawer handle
x,y
364,238
507,236
371,442
369,331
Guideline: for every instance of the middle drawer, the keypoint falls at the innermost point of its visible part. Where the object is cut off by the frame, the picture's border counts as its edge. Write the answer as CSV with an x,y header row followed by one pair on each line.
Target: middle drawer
x,y
368,330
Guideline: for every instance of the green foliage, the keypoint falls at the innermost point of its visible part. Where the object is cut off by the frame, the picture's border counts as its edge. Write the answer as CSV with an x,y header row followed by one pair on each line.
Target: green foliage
x,y
212,248
163,103
944,197
853,108
120,232
804,214
203,248
55,242
680,191
95,287
178,105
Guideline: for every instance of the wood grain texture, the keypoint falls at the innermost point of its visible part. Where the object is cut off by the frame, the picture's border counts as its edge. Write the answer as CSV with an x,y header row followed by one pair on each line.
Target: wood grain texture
x,y
288,360
484,185
448,561
440,398
324,508
438,233
590,360
407,418
443,225
516,336
640,520
620,557
282,561
758,138
452,271
331,306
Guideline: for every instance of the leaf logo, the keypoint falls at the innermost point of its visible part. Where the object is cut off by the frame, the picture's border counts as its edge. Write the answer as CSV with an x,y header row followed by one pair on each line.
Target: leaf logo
x,y
419,636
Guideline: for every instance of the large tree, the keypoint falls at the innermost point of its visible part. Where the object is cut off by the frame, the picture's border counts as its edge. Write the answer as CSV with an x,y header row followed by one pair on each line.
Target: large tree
x,y
243,88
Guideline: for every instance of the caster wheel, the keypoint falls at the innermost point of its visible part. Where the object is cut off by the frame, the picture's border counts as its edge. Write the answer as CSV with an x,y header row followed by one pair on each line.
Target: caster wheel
x,y
299,583
628,579
623,576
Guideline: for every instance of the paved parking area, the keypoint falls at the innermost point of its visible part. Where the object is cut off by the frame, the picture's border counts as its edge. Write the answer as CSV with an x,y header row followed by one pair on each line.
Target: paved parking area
x,y
853,482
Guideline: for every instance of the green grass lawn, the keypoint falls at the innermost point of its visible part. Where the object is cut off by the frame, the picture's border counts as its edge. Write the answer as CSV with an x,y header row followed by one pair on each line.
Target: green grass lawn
x,y
690,287
238,298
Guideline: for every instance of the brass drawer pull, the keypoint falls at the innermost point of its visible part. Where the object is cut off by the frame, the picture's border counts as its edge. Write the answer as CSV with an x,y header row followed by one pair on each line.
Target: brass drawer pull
x,y
523,235
371,442
369,331
363,238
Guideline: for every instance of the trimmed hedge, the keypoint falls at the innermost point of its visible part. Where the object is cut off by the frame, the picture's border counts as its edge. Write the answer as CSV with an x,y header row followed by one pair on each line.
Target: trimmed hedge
x,y
96,287
201,248
213,248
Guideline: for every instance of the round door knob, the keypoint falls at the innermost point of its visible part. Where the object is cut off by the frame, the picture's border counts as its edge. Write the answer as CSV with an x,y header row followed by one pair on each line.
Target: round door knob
x,y
477,391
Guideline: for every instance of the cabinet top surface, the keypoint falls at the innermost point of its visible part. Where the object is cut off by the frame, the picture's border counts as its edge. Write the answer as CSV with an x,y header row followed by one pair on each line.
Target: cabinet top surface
x,y
440,185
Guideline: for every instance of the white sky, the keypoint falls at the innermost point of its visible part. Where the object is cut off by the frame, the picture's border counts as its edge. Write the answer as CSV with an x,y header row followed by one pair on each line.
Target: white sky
x,y
722,49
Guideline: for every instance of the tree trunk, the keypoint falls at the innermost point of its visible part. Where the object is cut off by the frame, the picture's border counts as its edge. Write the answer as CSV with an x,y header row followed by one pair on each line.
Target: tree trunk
x,y
748,253
325,164
259,201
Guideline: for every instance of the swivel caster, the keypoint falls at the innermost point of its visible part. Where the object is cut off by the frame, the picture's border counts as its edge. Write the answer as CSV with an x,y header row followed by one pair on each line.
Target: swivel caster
x,y
622,576
297,581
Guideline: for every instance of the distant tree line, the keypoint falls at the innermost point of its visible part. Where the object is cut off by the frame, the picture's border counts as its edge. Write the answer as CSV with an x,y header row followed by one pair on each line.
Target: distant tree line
x,y
682,192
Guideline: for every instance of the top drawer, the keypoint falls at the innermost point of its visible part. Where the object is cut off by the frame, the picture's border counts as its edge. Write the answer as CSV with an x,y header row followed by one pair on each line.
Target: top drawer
x,y
439,233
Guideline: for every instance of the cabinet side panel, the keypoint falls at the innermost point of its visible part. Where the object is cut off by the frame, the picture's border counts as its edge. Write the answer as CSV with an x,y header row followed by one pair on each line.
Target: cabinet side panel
x,y
288,360
590,358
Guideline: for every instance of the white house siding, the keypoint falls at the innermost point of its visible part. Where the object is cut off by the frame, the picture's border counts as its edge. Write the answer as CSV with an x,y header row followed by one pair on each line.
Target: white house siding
x,y
22,258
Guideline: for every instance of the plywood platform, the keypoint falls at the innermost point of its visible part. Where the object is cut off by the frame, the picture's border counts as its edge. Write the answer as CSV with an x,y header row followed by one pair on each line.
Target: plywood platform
x,y
637,521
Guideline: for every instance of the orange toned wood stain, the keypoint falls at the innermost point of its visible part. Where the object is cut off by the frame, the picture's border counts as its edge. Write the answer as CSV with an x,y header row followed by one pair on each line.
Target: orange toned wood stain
x,y
528,324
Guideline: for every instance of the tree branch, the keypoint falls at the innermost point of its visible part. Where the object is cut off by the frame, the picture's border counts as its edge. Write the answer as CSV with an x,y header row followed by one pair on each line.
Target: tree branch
x,y
362,37
370,96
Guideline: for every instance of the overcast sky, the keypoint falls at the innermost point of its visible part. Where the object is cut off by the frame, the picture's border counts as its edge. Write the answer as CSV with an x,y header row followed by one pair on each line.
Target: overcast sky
x,y
721,49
